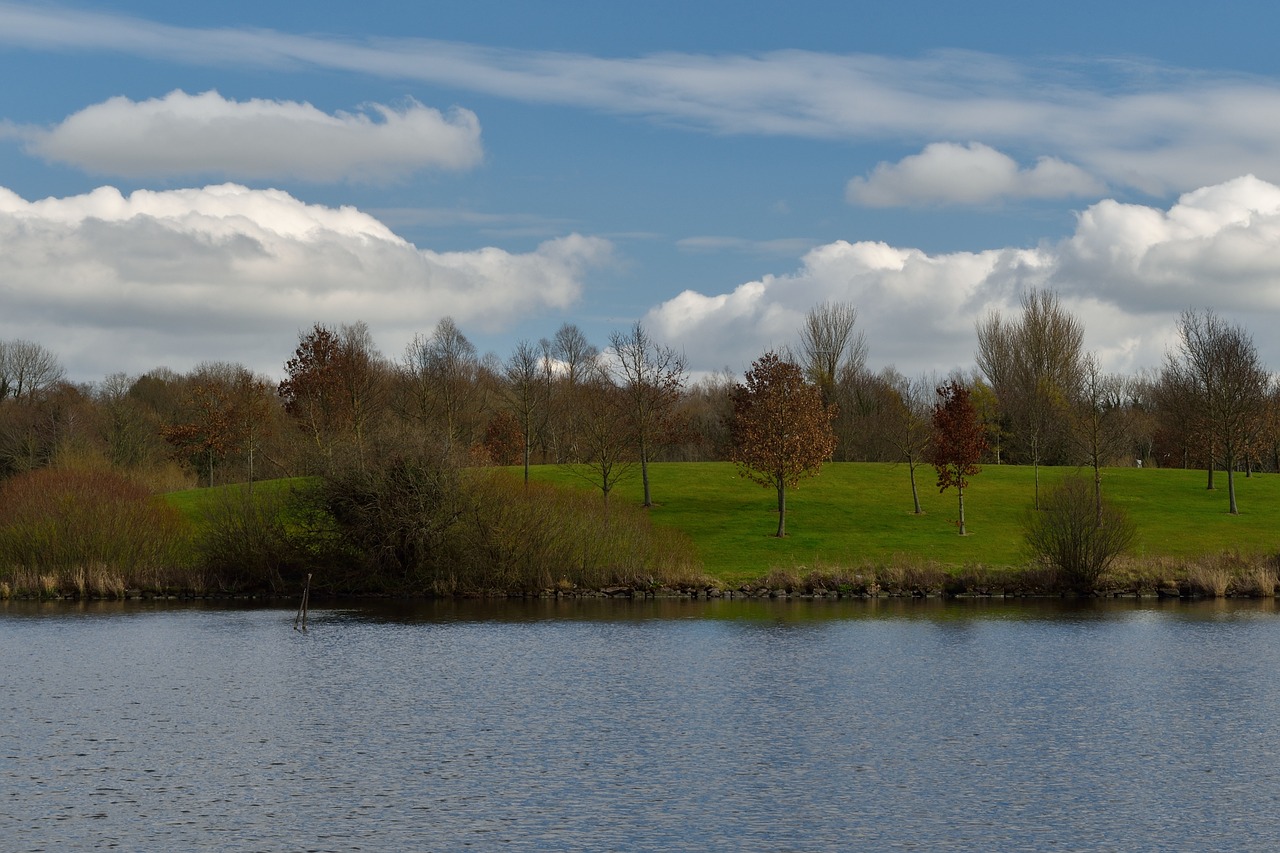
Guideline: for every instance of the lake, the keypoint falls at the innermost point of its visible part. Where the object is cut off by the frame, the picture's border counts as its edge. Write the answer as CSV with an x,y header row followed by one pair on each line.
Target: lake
x,y
649,726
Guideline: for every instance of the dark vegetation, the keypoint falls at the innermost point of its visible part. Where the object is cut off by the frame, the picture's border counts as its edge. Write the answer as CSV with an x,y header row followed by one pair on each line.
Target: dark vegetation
x,y
379,475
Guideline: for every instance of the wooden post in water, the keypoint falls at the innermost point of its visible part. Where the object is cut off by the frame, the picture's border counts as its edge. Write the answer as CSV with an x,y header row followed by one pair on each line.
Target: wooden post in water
x,y
302,608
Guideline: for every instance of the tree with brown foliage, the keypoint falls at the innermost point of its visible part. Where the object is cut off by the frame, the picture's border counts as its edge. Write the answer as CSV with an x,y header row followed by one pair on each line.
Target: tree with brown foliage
x,y
959,440
781,428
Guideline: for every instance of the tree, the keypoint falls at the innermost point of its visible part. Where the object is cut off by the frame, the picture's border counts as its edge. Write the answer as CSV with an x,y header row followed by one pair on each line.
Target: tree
x,y
651,377
1099,431
444,375
1218,370
335,388
603,427
959,440
781,428
828,344
1074,537
1033,365
27,370
528,385
909,431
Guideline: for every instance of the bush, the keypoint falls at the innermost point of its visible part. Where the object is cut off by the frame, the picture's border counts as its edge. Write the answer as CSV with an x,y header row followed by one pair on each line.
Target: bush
x,y
419,525
250,539
93,532
1069,534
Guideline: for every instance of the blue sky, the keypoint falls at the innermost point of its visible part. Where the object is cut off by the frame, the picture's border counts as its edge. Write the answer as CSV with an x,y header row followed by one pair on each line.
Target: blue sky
x,y
190,182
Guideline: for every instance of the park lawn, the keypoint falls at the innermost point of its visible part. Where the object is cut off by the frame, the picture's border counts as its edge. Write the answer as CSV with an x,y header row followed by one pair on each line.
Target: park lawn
x,y
195,504
855,514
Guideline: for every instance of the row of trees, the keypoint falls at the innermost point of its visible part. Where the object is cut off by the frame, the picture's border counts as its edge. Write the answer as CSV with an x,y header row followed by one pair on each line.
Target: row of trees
x,y
342,404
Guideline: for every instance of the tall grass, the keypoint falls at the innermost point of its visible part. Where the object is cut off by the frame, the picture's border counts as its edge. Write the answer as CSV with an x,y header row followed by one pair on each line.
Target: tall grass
x,y
65,532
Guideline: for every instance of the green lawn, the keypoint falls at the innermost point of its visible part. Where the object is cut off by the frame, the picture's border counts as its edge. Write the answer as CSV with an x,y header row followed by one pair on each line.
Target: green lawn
x,y
854,513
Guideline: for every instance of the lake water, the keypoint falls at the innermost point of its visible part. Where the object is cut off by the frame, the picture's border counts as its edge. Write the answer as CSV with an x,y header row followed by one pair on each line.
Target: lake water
x,y
659,725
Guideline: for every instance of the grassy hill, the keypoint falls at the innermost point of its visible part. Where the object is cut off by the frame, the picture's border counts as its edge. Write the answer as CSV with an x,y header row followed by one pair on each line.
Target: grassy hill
x,y
855,513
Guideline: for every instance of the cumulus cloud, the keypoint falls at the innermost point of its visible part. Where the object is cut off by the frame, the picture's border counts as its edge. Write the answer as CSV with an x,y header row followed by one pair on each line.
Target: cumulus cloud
x,y
1145,126
1127,271
114,282
182,134
945,173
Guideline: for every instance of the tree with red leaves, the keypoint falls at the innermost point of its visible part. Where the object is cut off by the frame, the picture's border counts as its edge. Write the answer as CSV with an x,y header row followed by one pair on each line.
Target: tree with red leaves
x,y
781,429
959,440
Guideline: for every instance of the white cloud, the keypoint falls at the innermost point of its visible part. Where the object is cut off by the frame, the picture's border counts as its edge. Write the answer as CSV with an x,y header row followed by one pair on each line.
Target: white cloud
x,y
1150,127
182,134
946,173
1127,272
112,282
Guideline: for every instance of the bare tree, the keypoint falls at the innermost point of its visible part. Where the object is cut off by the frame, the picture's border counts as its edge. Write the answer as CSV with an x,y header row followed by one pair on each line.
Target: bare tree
x,y
1099,432
651,377
603,426
828,343
1033,364
1217,365
444,377
909,421
27,370
528,383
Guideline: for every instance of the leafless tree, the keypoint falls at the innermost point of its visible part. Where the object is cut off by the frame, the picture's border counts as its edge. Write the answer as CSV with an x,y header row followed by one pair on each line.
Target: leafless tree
x,y
443,370
27,370
651,377
829,345
528,384
910,423
1099,434
1217,366
1033,365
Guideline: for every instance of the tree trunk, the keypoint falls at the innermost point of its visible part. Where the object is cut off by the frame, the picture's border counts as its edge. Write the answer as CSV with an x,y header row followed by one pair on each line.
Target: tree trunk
x,y
644,474
782,509
1231,488
915,493
960,495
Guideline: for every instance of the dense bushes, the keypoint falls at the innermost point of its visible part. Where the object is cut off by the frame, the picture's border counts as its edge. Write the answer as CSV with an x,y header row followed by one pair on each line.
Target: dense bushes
x,y
417,525
90,532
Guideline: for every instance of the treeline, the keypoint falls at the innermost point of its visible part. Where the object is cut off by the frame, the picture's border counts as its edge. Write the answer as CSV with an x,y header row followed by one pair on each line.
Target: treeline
x,y
344,405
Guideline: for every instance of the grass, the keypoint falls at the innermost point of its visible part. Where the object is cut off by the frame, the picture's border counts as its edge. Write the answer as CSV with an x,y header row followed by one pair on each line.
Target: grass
x,y
856,514
859,514
194,503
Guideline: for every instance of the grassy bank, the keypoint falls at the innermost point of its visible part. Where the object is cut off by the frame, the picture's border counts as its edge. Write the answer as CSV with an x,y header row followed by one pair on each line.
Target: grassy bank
x,y
851,531
857,514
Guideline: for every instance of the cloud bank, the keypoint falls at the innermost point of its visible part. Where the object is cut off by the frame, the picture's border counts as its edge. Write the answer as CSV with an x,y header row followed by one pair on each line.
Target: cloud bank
x,y
946,173
113,282
182,134
1127,272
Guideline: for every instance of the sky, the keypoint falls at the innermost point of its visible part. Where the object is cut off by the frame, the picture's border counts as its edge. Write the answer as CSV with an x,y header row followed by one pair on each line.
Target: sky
x,y
184,183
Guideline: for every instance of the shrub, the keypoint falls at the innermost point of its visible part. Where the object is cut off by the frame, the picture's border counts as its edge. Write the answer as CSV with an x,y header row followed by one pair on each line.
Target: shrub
x,y
1076,538
251,539
91,531
420,525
